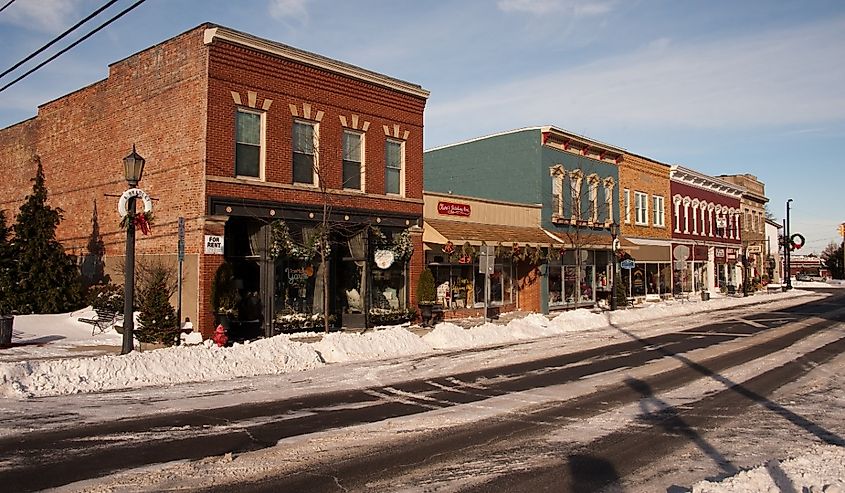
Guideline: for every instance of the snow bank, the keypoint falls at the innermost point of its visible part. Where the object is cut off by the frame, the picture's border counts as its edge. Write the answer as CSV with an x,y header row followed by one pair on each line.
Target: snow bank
x,y
389,343
822,470
173,365
38,336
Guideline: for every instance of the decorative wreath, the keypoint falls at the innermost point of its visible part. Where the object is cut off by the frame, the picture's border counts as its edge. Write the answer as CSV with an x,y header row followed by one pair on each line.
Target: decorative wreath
x,y
142,220
794,243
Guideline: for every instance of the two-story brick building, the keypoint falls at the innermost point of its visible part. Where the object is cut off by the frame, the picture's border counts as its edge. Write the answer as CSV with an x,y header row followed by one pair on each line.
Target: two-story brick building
x,y
753,205
255,142
644,197
706,231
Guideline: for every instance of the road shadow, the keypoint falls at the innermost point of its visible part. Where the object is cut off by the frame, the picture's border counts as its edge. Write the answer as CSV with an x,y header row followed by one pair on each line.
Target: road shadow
x,y
590,473
659,413
785,485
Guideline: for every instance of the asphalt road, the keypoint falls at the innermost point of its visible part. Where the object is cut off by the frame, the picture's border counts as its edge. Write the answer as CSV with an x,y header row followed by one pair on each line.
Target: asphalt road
x,y
43,459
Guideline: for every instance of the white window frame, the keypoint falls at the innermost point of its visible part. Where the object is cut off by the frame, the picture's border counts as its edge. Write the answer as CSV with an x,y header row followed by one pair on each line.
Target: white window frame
x,y
641,213
658,210
575,178
261,143
594,198
557,190
627,206
361,162
401,166
608,198
315,166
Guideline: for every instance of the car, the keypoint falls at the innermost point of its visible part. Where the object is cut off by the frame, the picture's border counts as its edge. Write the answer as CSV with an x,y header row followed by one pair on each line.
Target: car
x,y
802,277
817,278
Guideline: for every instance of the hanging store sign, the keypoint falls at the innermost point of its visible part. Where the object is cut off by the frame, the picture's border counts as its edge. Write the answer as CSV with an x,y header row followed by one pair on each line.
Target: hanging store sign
x,y
453,209
384,258
628,264
755,249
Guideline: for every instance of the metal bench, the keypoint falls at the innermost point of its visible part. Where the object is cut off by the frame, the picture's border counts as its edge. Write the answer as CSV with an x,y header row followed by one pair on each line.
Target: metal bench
x,y
104,321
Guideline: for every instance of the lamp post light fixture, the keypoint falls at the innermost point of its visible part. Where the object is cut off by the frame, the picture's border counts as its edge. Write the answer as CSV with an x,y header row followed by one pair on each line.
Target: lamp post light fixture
x,y
133,169
614,232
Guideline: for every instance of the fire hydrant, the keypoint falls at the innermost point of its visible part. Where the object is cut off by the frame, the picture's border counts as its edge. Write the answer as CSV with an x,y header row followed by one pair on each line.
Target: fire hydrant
x,y
220,336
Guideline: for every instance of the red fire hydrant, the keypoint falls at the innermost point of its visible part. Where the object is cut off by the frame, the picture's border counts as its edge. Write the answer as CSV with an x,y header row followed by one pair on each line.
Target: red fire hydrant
x,y
220,336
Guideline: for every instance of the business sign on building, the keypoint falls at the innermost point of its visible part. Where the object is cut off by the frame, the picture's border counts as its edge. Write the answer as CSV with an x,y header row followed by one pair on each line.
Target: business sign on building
x,y
213,245
731,254
719,253
453,209
755,249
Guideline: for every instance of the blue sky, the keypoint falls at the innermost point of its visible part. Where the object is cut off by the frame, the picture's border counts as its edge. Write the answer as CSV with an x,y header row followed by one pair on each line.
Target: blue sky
x,y
719,86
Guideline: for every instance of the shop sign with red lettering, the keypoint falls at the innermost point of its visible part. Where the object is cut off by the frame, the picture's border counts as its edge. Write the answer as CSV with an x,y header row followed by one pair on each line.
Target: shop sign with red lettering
x,y
453,209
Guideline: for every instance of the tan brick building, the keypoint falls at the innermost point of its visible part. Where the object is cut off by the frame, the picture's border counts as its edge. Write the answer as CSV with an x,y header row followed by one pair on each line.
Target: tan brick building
x,y
753,219
239,132
645,221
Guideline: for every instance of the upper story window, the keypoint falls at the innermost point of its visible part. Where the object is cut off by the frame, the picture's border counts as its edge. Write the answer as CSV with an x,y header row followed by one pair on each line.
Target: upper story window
x,y
249,134
575,178
353,160
394,159
593,180
659,214
627,206
641,205
304,152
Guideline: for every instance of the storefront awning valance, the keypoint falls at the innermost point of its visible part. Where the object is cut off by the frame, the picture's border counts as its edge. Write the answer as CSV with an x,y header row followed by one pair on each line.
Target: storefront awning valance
x,y
439,232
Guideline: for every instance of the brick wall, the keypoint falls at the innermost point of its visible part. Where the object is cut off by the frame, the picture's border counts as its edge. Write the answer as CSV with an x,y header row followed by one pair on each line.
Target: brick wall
x,y
639,174
154,99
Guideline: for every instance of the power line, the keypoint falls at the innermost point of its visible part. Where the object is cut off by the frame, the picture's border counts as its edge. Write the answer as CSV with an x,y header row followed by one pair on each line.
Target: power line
x,y
56,39
4,7
100,27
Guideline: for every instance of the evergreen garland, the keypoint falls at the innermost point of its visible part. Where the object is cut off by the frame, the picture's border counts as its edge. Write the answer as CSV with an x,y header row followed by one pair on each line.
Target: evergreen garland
x,y
401,246
49,281
285,246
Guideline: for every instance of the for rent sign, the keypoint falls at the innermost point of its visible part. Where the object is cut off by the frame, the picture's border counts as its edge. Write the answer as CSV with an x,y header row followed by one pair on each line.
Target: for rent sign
x,y
453,209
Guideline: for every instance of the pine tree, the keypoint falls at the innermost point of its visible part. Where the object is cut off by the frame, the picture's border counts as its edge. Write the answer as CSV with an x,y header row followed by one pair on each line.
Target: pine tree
x,y
49,281
157,320
7,268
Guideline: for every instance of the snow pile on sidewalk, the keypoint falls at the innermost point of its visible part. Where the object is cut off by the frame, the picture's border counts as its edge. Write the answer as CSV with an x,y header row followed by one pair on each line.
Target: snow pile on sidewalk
x,y
450,336
822,471
388,343
45,377
205,362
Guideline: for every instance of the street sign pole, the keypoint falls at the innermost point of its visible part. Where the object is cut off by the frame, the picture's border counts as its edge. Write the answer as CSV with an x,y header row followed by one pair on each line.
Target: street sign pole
x,y
181,257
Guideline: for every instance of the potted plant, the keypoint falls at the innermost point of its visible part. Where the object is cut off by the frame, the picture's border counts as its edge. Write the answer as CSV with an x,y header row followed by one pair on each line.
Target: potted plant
x,y
224,295
425,296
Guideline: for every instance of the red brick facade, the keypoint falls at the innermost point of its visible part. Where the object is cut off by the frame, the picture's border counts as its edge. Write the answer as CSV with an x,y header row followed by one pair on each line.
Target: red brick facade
x,y
176,102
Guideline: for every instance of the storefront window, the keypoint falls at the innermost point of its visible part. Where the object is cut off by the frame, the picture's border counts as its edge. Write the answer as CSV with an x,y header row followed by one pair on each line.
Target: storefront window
x,y
298,287
389,287
571,282
462,286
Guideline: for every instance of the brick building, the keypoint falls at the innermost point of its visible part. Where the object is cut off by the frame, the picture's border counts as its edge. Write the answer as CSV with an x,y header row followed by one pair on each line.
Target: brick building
x,y
240,133
644,198
706,231
753,205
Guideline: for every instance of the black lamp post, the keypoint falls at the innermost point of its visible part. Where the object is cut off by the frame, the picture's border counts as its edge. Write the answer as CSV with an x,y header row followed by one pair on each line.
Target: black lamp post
x,y
787,247
614,232
133,168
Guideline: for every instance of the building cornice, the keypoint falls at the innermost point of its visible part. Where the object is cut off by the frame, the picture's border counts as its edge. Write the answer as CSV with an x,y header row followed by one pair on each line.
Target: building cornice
x,y
280,50
576,144
705,182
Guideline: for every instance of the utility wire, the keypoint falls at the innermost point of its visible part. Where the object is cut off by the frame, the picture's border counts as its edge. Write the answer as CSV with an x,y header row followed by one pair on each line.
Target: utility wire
x,y
59,38
83,38
4,7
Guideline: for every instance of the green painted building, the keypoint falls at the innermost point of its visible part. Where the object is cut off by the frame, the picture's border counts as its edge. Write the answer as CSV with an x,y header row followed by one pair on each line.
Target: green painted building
x,y
572,178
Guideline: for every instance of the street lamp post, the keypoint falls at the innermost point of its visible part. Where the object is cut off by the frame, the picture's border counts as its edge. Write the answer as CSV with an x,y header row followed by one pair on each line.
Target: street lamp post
x,y
614,232
133,169
786,250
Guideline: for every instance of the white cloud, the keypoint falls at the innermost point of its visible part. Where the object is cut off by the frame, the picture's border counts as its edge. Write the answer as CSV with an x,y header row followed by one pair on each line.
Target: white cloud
x,y
43,15
780,77
296,10
577,8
